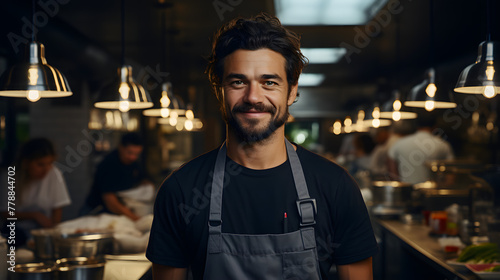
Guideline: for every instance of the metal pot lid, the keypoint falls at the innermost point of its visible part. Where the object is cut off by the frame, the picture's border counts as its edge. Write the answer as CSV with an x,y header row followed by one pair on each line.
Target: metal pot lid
x,y
394,184
33,268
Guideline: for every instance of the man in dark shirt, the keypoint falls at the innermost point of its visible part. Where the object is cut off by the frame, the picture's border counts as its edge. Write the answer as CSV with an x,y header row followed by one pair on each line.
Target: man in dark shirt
x,y
254,69
118,171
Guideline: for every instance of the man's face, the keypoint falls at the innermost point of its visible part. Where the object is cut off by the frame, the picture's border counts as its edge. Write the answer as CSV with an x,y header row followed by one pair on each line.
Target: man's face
x,y
130,153
256,95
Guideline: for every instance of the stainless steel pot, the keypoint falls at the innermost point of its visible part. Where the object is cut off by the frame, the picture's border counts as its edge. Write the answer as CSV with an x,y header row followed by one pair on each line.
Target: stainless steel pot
x,y
391,194
44,245
33,271
90,245
390,198
80,268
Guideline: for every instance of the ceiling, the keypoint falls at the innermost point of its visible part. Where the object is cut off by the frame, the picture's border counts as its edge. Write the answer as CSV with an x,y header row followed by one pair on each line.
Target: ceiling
x,y
171,41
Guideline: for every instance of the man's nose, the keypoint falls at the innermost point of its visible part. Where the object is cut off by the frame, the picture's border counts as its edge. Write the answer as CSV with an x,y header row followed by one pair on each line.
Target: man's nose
x,y
254,93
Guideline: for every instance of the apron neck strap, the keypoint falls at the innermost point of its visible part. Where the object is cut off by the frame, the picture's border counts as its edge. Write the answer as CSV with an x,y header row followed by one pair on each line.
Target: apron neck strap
x,y
306,205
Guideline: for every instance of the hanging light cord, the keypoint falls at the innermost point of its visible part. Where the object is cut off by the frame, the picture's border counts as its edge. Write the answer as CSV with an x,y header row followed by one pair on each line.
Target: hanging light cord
x,y
431,33
33,21
488,20
123,33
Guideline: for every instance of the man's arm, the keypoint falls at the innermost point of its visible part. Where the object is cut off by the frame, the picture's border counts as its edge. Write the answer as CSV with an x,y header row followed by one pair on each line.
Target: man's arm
x,y
115,206
361,270
163,272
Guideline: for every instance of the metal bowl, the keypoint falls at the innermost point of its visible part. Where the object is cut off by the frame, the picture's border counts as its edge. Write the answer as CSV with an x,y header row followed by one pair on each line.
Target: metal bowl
x,y
81,268
86,244
33,271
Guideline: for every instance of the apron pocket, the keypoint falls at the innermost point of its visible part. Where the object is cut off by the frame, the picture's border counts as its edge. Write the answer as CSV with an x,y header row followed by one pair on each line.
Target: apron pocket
x,y
301,265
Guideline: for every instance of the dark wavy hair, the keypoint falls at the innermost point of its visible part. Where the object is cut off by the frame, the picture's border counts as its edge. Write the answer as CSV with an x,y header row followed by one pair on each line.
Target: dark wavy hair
x,y
261,31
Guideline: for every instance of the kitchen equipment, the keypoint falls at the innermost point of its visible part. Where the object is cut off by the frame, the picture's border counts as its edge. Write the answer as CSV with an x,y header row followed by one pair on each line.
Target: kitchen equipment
x,y
80,268
390,198
84,244
33,271
44,245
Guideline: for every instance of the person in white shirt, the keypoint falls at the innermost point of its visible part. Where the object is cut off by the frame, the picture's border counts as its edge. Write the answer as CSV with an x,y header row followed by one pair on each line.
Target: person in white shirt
x,y
410,154
40,189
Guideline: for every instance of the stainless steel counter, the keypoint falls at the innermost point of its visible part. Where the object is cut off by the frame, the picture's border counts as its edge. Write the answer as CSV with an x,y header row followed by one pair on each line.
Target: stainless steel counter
x,y
408,252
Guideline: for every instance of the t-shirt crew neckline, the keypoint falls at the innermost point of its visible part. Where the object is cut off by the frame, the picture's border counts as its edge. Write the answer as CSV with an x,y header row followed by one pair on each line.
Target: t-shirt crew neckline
x,y
257,172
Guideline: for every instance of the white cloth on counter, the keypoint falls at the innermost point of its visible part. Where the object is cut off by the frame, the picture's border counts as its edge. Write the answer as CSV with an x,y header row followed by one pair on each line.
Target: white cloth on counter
x,y
128,236
144,192
139,199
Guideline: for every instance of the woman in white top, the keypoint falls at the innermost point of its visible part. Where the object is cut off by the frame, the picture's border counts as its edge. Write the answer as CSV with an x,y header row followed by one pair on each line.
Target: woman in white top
x,y
40,189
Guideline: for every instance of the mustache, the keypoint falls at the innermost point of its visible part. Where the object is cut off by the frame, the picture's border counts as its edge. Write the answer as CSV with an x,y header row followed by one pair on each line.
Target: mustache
x,y
259,107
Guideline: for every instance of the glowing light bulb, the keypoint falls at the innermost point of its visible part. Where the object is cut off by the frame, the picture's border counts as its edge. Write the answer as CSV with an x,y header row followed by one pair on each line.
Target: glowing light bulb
x,y
164,100
337,127
397,105
189,114
347,125
164,112
431,90
33,95
124,106
124,90
489,92
376,113
33,76
429,105
188,125
174,115
376,123
179,127
396,116
172,121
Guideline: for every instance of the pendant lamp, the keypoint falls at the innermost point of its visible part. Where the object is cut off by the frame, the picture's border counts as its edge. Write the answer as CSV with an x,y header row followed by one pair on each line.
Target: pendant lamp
x,y
395,110
373,119
123,93
34,78
426,94
482,77
170,105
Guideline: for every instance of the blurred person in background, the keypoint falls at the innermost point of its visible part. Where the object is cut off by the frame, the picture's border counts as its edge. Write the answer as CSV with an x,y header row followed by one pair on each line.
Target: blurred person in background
x,y
379,164
40,189
408,155
119,171
363,147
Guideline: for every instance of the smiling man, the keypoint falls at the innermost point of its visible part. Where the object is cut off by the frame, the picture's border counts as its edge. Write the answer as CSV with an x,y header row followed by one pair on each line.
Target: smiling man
x,y
259,207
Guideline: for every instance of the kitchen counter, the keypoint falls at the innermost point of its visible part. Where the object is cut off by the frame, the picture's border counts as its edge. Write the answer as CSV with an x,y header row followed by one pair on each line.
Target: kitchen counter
x,y
408,252
126,267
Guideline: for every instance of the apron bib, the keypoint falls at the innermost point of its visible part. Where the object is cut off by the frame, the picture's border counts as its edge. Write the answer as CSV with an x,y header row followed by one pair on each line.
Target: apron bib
x,y
288,256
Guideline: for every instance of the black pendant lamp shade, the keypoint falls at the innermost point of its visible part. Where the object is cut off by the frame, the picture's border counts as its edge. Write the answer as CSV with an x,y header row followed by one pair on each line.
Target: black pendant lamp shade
x,y
426,95
34,78
481,77
124,93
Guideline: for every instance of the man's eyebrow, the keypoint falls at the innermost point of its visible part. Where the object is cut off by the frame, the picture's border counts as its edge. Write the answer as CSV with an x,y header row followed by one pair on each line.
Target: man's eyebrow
x,y
235,76
271,77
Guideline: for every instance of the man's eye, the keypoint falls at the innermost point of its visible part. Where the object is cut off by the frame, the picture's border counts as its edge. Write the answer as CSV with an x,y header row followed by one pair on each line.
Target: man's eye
x,y
270,83
237,83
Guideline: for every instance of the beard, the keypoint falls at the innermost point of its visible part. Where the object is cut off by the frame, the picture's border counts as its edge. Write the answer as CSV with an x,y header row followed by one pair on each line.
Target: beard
x,y
252,132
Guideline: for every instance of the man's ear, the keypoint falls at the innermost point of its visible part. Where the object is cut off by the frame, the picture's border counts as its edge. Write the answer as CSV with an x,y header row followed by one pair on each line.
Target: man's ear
x,y
293,94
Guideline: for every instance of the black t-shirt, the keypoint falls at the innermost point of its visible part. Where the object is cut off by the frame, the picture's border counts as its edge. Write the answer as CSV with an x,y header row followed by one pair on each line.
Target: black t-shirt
x,y
113,176
254,202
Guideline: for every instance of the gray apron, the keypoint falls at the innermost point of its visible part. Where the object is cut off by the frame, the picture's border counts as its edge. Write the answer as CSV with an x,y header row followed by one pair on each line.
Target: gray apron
x,y
290,255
